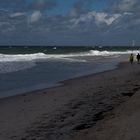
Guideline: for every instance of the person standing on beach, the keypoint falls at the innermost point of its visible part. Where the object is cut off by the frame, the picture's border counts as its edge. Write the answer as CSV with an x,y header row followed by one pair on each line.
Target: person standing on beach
x,y
138,58
131,59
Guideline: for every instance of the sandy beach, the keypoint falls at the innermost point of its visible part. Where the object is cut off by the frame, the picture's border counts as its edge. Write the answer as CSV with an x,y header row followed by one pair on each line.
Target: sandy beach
x,y
102,106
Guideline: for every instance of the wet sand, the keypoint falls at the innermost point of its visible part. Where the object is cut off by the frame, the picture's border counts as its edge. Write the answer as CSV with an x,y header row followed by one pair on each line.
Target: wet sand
x,y
81,109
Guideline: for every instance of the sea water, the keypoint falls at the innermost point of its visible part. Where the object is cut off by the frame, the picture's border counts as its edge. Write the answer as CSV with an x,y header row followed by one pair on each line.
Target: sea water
x,y
24,69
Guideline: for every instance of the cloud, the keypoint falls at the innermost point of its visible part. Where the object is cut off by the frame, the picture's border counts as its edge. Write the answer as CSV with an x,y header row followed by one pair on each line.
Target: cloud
x,y
35,16
14,5
17,14
6,27
30,19
12,22
81,6
98,18
126,6
102,17
27,5
44,4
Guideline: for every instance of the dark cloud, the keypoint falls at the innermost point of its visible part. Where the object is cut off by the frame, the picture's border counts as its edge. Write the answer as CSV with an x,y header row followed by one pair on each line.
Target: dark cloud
x,y
16,5
28,22
82,6
126,6
43,4
27,5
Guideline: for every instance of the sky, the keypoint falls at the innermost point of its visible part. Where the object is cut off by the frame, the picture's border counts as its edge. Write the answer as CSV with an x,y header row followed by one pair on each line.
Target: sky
x,y
69,22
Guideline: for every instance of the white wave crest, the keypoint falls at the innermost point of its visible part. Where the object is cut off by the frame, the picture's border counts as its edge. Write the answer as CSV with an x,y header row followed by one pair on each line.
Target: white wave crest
x,y
17,62
21,57
110,53
66,57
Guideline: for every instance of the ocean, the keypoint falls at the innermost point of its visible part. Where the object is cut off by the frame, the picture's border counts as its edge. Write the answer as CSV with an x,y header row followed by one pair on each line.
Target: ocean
x,y
28,68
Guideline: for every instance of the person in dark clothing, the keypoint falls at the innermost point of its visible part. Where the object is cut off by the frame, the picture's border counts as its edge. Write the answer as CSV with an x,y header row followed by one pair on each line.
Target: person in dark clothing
x,y
138,58
131,58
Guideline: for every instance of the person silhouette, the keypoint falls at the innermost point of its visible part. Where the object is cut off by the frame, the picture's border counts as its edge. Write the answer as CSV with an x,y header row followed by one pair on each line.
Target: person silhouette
x,y
131,58
138,58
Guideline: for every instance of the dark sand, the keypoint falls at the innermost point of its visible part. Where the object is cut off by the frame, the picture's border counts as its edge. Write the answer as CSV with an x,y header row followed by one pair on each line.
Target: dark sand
x,y
81,109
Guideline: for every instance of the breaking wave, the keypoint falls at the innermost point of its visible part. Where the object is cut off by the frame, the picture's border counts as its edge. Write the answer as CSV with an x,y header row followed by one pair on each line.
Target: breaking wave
x,y
17,62
67,57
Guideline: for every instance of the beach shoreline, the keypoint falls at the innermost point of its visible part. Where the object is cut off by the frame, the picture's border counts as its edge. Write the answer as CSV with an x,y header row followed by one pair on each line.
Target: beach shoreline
x,y
63,82
63,112
41,77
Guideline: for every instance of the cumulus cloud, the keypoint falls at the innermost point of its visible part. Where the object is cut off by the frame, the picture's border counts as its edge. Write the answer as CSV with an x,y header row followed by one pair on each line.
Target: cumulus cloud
x,y
101,17
97,17
30,18
35,16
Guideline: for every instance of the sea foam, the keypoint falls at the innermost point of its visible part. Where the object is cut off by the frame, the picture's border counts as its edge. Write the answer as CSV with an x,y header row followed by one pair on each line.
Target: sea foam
x,y
67,57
